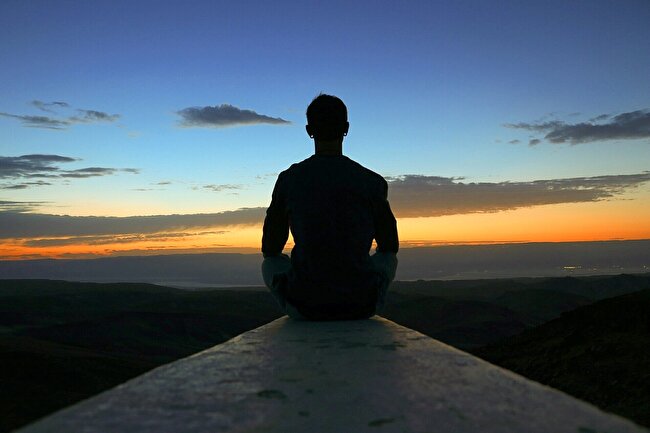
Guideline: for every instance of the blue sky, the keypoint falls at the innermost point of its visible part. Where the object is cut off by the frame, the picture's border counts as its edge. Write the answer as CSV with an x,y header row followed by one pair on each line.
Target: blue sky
x,y
429,85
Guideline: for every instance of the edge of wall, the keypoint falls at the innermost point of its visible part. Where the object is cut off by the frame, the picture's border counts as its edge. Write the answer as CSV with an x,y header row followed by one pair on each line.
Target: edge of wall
x,y
351,376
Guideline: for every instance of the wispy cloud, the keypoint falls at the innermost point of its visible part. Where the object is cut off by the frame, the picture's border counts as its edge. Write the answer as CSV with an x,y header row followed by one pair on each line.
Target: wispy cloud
x,y
223,187
89,172
38,121
626,126
224,115
19,206
266,176
47,106
115,239
93,116
47,166
424,196
82,116
24,185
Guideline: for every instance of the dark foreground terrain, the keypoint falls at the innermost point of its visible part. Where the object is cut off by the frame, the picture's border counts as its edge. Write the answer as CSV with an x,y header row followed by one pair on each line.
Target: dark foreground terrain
x,y
61,342
599,353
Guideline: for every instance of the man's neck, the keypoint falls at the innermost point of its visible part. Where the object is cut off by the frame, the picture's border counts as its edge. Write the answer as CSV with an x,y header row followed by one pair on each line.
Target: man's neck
x,y
329,147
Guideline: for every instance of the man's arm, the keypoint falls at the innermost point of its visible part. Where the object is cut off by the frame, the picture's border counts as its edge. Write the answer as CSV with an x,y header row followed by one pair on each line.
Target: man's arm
x,y
276,224
385,224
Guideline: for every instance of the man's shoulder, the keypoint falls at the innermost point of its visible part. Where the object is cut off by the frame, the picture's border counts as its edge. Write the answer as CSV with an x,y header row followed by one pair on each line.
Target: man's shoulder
x,y
294,168
298,168
376,177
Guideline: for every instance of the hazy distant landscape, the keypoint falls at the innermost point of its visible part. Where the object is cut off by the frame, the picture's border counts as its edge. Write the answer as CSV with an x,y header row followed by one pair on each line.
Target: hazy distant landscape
x,y
64,341
449,262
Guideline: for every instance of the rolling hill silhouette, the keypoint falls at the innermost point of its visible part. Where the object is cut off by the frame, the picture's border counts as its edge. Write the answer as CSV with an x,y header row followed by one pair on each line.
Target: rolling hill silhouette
x,y
64,341
598,353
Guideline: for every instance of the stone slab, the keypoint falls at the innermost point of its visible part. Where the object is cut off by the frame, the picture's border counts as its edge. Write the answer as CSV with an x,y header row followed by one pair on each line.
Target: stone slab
x,y
353,376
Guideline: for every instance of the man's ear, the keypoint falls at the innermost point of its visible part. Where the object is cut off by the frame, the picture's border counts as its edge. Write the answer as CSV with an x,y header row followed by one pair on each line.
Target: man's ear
x,y
346,128
310,131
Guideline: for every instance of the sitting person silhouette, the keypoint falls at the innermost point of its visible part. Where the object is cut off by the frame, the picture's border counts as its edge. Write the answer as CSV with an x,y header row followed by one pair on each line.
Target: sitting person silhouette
x,y
335,208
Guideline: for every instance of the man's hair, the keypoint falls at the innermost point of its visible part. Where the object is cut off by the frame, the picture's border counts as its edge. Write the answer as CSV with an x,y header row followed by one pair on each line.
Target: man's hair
x,y
327,116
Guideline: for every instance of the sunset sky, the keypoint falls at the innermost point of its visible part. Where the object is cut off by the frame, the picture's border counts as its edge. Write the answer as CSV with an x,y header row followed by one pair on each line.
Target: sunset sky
x,y
139,127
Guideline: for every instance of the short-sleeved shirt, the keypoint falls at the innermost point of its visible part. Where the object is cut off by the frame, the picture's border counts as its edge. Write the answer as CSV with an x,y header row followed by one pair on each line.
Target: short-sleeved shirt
x,y
334,208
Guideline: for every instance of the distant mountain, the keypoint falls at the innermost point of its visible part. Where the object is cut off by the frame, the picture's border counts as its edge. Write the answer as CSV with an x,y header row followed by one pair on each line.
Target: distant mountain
x,y
440,262
597,352
593,287
218,268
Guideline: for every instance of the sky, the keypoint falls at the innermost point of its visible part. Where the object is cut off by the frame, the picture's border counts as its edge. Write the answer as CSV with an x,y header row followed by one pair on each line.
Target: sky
x,y
147,127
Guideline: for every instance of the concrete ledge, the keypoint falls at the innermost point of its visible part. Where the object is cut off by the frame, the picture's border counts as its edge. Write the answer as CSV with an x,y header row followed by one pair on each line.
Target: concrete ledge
x,y
357,376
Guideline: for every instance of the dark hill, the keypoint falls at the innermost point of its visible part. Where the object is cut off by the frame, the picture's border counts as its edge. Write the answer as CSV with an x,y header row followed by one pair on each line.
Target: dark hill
x,y
61,342
598,353
38,377
460,323
540,305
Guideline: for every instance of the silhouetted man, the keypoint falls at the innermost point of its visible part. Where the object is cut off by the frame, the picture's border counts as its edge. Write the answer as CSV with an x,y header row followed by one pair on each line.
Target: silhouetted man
x,y
335,208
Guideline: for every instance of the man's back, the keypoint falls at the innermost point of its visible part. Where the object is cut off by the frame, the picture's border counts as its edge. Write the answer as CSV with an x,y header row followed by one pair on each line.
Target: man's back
x,y
335,208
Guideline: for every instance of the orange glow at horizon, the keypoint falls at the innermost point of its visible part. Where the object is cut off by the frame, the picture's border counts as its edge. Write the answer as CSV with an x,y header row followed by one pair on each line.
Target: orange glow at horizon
x,y
605,220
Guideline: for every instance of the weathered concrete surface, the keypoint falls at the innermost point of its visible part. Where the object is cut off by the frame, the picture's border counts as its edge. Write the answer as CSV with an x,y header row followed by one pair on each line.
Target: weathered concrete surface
x,y
357,376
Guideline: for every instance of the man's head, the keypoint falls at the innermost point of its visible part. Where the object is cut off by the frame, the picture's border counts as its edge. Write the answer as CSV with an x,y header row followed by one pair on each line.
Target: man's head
x,y
327,118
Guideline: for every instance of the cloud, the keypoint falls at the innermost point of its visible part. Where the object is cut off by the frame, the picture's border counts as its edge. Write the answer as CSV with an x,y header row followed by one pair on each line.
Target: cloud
x,y
600,118
114,239
427,196
514,141
163,182
30,165
24,185
45,106
19,206
266,176
47,122
534,141
626,126
17,222
411,196
89,172
39,121
223,187
93,116
47,166
224,115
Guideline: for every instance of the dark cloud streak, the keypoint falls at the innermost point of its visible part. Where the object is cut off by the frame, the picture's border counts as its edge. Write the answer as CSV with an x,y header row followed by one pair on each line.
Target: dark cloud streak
x,y
114,239
45,106
19,206
38,121
427,196
411,196
626,126
222,187
47,166
224,115
16,223
46,122
93,116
